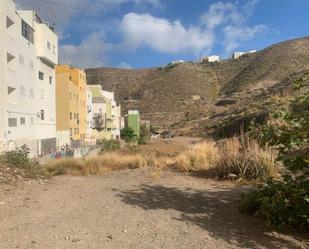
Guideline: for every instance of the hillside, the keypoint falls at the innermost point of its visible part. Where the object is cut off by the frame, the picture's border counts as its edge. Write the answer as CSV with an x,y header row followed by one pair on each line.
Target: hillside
x,y
169,96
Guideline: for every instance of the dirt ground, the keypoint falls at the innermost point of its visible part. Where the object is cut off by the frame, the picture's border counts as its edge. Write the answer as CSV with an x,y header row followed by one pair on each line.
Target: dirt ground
x,y
132,209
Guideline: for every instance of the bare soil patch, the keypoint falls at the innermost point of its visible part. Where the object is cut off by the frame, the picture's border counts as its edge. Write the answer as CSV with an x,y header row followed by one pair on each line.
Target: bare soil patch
x,y
129,209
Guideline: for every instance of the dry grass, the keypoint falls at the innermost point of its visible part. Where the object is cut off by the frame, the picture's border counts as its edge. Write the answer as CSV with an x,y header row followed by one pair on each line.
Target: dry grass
x,y
245,159
201,157
96,165
234,158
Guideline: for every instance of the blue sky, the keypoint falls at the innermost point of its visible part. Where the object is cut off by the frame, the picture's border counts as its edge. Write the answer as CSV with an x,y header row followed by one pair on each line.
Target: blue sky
x,y
148,33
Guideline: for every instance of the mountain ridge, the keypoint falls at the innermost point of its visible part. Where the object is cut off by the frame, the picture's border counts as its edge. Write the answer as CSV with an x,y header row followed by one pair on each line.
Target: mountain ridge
x,y
172,94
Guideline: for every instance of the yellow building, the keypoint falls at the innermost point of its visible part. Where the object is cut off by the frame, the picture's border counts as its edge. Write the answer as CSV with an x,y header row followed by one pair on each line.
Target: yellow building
x,y
71,104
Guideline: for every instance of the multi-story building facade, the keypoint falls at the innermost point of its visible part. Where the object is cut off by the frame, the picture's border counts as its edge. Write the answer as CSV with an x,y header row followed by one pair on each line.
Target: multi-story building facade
x,y
28,55
71,102
106,114
89,115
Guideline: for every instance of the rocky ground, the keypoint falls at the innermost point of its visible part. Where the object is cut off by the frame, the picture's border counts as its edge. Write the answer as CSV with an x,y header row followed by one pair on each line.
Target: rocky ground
x,y
131,209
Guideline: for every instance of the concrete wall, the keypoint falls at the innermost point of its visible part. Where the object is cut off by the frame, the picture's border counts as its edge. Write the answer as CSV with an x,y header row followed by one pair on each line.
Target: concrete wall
x,y
22,94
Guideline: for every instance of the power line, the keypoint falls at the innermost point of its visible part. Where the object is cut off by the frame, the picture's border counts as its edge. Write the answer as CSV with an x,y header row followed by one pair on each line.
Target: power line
x,y
97,12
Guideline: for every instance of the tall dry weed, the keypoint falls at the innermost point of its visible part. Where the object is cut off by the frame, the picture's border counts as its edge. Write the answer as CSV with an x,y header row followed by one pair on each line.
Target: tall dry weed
x,y
96,165
200,157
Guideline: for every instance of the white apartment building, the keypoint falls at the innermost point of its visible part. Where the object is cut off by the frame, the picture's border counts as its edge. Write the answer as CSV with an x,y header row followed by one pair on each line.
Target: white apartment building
x,y
89,114
238,54
28,54
212,58
116,113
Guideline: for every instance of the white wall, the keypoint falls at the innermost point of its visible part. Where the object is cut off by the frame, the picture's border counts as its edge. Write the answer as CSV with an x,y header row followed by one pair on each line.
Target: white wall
x,y
30,95
89,113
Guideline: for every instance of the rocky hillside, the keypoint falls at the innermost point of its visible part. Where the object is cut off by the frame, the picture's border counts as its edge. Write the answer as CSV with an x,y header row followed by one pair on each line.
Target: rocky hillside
x,y
190,93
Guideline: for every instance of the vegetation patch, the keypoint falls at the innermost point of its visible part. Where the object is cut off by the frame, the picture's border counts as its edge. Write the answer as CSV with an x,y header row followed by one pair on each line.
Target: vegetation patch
x,y
17,165
286,202
107,162
230,159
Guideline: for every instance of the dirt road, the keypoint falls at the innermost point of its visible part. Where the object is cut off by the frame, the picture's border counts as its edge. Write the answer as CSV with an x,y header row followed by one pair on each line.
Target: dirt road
x,y
130,209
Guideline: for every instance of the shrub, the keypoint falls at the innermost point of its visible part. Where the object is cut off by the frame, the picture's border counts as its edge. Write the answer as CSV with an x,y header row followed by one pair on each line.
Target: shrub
x,y
110,145
280,203
200,158
245,159
128,134
145,135
18,158
285,203
109,161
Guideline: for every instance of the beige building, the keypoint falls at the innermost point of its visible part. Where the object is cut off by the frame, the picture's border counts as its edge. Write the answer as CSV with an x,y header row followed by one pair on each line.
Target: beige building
x,y
71,103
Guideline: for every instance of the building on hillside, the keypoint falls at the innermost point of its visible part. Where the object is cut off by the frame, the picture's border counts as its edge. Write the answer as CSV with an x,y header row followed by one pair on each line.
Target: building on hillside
x,y
71,100
106,119
212,58
133,121
238,54
29,53
176,62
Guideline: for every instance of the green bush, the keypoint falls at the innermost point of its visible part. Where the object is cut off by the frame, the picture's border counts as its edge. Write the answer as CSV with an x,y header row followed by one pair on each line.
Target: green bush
x,y
145,135
18,158
285,202
128,135
110,145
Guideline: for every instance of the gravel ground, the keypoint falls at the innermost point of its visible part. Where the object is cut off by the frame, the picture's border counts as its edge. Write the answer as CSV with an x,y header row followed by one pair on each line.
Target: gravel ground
x,y
131,209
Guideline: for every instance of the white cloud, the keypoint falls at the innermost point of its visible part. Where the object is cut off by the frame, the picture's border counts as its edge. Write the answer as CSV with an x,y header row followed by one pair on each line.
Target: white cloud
x,y
92,52
60,12
231,19
125,65
164,36
235,35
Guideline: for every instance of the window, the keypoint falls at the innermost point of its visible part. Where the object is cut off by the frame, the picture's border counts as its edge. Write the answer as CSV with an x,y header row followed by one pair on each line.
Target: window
x,y
54,49
27,31
42,94
70,77
9,57
42,115
41,75
9,22
11,89
12,122
21,59
71,132
22,121
31,64
50,80
22,91
32,120
70,115
31,93
48,45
